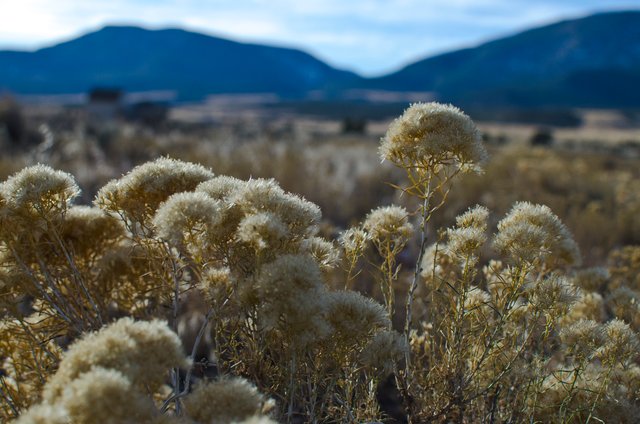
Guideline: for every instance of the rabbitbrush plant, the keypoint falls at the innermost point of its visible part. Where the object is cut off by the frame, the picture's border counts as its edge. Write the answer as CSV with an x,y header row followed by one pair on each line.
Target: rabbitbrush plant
x,y
494,327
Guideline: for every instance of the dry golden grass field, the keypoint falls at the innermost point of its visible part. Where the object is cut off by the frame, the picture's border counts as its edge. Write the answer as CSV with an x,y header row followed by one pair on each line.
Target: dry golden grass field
x,y
232,264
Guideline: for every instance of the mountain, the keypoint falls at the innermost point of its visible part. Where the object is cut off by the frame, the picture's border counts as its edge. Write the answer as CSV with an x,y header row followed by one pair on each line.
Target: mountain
x,y
587,62
592,61
192,64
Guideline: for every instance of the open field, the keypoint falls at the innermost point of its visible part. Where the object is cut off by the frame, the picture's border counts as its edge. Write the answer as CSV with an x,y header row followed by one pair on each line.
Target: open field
x,y
587,174
222,296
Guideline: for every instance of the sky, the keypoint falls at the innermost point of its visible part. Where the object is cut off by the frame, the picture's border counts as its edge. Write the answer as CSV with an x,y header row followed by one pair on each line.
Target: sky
x,y
371,37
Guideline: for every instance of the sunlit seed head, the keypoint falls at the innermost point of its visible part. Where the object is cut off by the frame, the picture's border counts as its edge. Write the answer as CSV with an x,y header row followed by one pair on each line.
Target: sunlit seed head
x,y
552,293
478,302
436,133
221,187
439,266
216,281
465,242
354,316
184,213
260,195
587,306
142,351
105,396
289,273
138,194
262,230
353,241
39,192
388,223
469,234
323,251
621,343
529,232
475,217
582,338
293,299
224,401
43,414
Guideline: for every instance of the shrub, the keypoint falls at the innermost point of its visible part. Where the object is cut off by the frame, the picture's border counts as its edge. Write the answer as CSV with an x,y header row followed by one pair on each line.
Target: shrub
x,y
93,300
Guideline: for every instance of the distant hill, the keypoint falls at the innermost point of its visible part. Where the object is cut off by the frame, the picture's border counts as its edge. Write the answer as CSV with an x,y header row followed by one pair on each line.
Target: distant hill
x,y
587,62
192,64
592,61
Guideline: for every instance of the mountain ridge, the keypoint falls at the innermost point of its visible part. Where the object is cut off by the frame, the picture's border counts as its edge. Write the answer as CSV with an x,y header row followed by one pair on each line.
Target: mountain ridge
x,y
191,63
563,58
592,61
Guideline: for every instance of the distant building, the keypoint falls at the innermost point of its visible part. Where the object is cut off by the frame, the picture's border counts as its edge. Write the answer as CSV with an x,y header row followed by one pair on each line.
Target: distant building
x,y
105,104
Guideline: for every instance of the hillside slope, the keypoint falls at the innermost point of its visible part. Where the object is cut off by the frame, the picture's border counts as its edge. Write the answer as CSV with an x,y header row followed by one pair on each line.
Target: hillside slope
x,y
592,61
192,64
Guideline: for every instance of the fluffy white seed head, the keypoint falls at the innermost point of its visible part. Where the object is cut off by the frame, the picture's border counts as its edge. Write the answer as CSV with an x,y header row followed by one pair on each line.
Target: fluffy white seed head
x,y
438,266
353,316
38,192
292,299
262,230
138,194
43,414
436,133
587,306
259,196
323,251
478,304
221,187
388,223
216,282
469,234
183,213
142,351
621,343
531,232
553,293
582,338
224,401
353,241
106,396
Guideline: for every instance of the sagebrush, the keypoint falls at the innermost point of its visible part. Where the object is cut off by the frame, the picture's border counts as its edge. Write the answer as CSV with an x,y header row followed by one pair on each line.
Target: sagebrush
x,y
186,297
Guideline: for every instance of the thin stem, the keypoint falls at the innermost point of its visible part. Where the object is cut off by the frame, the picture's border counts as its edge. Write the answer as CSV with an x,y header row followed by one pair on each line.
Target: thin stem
x,y
187,383
176,295
416,274
7,397
196,344
292,387
78,277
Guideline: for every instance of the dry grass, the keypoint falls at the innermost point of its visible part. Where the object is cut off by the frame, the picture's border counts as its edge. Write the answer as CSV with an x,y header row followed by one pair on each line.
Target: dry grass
x,y
483,316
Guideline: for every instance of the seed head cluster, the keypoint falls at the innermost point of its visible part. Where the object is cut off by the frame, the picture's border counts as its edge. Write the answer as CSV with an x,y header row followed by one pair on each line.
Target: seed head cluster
x,y
433,132
533,233
182,297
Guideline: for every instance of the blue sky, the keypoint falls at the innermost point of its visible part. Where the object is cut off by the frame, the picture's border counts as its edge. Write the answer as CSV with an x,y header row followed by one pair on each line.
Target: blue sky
x,y
367,36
